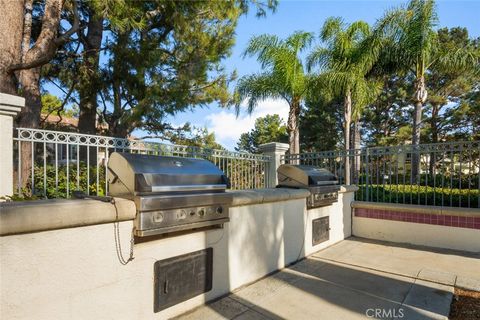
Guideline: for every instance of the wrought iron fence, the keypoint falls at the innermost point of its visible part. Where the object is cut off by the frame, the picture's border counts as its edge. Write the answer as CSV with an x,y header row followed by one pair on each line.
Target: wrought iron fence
x,y
448,172
52,164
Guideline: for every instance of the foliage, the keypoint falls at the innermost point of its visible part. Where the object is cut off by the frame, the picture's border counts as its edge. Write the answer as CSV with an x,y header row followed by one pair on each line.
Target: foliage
x,y
349,54
270,128
243,174
422,195
386,120
196,137
57,116
51,104
181,45
467,115
283,77
443,178
181,68
449,88
413,39
24,195
321,123
87,180
414,47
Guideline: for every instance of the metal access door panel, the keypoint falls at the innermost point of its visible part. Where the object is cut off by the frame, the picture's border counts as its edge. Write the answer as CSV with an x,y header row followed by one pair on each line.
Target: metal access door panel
x,y
183,277
320,230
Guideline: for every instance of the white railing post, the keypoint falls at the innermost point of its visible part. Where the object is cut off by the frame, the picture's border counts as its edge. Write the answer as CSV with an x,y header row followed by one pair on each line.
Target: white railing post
x,y
10,106
275,150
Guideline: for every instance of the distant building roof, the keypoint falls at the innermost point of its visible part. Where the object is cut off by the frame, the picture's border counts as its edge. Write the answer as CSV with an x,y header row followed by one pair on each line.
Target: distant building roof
x,y
64,121
59,120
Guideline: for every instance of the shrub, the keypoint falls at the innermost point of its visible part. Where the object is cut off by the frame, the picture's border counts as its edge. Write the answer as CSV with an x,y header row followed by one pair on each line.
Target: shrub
x,y
424,195
437,180
59,189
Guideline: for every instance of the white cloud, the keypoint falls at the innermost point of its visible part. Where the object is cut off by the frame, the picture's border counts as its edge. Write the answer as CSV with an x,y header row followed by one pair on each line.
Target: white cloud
x,y
228,127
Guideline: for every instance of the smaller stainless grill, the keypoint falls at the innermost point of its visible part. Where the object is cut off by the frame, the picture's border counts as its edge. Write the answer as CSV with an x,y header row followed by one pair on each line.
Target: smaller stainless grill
x,y
322,184
171,193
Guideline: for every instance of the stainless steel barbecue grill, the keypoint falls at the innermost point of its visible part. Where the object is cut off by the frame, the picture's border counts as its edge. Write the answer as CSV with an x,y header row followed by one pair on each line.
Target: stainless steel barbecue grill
x,y
323,185
171,193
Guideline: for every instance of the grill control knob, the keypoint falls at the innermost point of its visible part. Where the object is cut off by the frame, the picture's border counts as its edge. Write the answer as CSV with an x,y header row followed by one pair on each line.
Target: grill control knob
x,y
219,210
181,215
201,212
158,217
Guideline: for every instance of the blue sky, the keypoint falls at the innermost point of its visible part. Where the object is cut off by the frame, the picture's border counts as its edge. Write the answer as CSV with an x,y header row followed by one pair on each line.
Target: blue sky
x,y
309,16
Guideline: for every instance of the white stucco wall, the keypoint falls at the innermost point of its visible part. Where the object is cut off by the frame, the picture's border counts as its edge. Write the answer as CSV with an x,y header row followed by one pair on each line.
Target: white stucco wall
x,y
10,106
74,273
417,233
6,145
340,224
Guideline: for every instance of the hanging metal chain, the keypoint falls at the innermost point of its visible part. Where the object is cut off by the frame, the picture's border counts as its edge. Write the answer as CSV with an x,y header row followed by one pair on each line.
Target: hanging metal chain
x,y
118,245
116,225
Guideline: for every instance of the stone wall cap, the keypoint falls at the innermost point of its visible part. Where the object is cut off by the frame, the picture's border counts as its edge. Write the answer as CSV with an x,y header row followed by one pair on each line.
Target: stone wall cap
x,y
415,208
348,188
43,215
11,100
265,195
274,147
11,104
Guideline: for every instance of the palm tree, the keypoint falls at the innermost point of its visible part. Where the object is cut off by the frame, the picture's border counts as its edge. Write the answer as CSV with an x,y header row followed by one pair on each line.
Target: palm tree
x,y
415,48
283,77
345,61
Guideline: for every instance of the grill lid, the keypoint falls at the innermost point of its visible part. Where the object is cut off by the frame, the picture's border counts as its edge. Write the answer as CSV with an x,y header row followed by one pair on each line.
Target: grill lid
x,y
138,174
290,175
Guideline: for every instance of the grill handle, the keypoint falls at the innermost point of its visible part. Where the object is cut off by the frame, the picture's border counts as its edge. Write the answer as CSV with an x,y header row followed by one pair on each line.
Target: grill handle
x,y
226,181
192,187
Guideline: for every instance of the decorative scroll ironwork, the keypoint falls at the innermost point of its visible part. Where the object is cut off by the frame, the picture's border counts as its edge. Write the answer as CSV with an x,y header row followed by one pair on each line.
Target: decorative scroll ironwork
x,y
59,137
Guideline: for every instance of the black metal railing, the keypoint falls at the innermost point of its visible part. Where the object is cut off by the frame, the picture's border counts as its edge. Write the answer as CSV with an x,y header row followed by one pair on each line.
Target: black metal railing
x,y
448,172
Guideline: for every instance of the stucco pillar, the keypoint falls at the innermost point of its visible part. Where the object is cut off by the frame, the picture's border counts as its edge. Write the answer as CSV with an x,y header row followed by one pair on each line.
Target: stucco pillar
x,y
10,106
274,150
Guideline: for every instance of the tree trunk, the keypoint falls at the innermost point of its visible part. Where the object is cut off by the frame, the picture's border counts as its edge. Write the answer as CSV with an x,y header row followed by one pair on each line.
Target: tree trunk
x,y
434,128
27,28
419,99
29,118
29,80
357,139
11,49
89,79
11,26
296,139
116,125
347,104
45,46
292,127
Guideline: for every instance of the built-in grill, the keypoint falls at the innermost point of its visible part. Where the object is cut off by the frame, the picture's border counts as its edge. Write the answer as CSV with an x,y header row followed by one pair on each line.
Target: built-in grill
x,y
171,193
323,185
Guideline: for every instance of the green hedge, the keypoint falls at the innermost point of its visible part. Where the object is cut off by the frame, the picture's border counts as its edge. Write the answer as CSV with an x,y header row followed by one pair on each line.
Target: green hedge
x,y
437,180
59,190
424,195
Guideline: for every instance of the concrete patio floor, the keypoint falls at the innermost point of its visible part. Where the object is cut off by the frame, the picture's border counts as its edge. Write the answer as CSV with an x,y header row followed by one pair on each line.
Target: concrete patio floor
x,y
355,279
